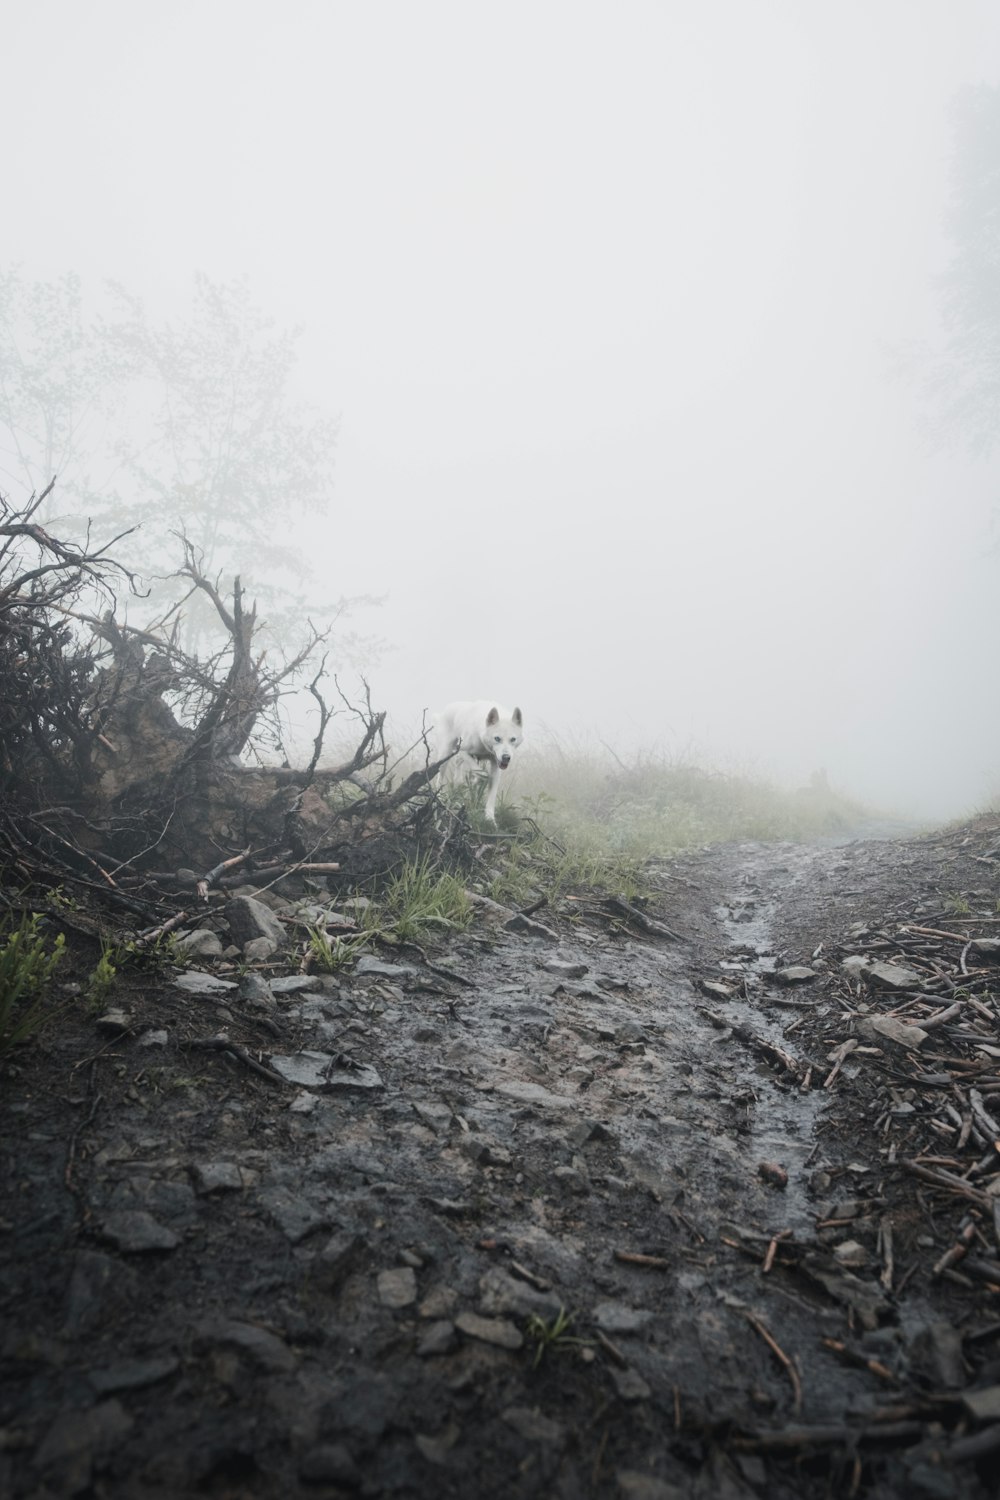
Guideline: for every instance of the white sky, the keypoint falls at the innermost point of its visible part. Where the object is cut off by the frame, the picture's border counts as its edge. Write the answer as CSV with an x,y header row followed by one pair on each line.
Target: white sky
x,y
604,296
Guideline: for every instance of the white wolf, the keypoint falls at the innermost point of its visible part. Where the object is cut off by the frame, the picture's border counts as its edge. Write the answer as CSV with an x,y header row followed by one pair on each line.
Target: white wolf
x,y
485,735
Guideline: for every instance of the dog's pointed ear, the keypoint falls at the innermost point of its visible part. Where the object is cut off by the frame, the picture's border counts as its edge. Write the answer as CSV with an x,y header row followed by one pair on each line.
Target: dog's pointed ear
x,y
516,716
493,717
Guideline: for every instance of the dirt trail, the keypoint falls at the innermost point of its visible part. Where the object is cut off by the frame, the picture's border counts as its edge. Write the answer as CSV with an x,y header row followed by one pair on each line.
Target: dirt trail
x,y
358,1281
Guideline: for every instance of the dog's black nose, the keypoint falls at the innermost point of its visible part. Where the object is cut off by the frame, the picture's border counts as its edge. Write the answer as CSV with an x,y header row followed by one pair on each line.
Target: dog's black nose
x,y
504,762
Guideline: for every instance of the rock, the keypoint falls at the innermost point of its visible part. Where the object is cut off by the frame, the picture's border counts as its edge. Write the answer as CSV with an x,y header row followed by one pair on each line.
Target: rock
x,y
988,947
153,1039
295,1216
630,1385
255,990
887,1028
530,1423
217,1176
563,969
201,943
616,1317
437,1338
194,982
397,1287
249,918
76,1436
795,974
635,1486
330,1463
132,1374
501,1293
308,1069
265,1349
893,976
137,1232
532,928
984,1404
114,1022
495,1331
436,1449
368,965
303,1104
936,1350
258,950
533,1093
100,1290
337,1258
851,1253
294,984
440,1303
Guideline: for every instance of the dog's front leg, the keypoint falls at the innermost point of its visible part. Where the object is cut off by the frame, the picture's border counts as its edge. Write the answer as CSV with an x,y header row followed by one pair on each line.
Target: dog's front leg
x,y
489,811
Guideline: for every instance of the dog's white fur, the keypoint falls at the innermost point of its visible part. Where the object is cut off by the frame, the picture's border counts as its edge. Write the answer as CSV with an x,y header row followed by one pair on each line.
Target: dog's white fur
x,y
485,735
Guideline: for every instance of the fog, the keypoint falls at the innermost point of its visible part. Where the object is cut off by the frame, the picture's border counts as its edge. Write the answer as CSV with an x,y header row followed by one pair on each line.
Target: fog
x,y
609,299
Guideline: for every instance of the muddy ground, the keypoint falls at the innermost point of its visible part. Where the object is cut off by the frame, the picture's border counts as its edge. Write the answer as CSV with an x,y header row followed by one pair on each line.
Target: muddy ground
x,y
557,1213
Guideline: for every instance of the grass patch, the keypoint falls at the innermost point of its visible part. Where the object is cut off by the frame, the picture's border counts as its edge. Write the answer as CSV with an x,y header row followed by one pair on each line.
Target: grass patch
x,y
420,901
26,967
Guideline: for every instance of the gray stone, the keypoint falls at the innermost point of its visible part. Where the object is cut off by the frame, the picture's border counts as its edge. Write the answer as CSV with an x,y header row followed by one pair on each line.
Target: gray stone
x,y
368,965
265,1349
100,1289
795,974
893,976
259,949
501,1293
337,1258
295,1216
329,1463
531,928
564,970
630,1385
294,984
194,982
616,1317
437,1338
249,918
440,1303
490,1330
530,1423
114,1022
635,1486
132,1374
255,990
533,1093
887,1028
217,1176
435,1449
937,1351
77,1435
984,1404
397,1288
134,1231
308,1069
153,1039
201,943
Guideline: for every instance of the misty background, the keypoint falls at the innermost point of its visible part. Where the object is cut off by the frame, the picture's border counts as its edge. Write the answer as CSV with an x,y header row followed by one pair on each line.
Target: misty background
x,y
623,312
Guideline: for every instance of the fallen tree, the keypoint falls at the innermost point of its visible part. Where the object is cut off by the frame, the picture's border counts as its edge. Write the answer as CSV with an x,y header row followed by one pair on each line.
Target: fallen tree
x,y
126,761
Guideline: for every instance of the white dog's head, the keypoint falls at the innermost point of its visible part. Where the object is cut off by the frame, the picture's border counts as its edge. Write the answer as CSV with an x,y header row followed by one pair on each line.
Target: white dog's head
x,y
503,735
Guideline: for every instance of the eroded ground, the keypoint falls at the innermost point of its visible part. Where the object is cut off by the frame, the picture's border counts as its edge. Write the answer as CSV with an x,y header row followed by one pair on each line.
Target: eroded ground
x,y
358,1281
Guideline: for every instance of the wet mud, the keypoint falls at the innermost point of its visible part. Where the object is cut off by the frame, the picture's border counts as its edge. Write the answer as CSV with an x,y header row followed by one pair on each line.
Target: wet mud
x,y
556,1212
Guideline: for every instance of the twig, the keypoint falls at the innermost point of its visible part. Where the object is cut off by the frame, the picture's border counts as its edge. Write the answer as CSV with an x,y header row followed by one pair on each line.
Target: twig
x,y
773,1345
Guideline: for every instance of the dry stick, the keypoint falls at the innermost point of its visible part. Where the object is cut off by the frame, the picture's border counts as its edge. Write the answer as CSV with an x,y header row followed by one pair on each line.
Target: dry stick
x,y
772,1250
633,1258
240,1054
888,1256
155,933
611,1349
958,1250
775,1347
